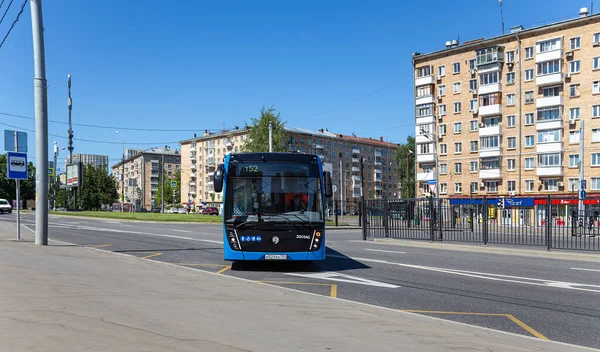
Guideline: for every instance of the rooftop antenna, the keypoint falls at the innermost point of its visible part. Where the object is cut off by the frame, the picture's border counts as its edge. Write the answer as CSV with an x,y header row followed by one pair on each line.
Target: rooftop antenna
x,y
501,15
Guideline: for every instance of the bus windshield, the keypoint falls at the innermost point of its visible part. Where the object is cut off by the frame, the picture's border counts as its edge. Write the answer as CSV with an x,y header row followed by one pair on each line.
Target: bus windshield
x,y
273,192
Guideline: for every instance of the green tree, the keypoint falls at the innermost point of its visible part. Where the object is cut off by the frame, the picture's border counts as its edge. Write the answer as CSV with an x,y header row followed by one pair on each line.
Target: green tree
x,y
169,190
405,157
258,133
8,187
98,188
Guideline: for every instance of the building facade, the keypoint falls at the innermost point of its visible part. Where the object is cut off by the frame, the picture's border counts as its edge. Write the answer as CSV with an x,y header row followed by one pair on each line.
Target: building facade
x,y
502,116
90,159
339,152
142,175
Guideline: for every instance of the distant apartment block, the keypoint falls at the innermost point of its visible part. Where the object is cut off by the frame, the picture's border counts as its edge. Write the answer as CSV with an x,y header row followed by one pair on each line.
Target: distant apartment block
x,y
90,159
132,152
143,171
340,152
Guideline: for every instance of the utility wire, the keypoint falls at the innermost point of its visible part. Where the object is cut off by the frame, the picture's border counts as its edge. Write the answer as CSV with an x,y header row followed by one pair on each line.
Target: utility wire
x,y
1,3
15,21
5,12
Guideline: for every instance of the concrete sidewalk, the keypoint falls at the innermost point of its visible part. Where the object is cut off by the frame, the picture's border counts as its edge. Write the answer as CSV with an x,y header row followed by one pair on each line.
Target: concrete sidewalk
x,y
69,298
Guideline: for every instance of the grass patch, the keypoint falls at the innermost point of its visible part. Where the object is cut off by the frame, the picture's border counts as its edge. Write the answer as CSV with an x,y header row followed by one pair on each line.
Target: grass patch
x,y
143,216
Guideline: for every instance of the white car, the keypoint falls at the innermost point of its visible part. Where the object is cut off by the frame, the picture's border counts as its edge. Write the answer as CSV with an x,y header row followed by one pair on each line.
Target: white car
x,y
5,206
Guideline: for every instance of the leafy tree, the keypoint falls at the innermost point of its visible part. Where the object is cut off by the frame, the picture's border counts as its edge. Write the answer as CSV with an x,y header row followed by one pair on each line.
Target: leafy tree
x,y
258,133
169,190
405,157
98,188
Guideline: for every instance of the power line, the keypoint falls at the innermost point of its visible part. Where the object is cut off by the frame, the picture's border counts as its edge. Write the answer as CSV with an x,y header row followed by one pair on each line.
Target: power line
x,y
1,3
5,12
14,22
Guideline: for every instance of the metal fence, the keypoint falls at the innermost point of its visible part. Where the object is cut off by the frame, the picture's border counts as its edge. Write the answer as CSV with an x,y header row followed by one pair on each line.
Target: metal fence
x,y
545,221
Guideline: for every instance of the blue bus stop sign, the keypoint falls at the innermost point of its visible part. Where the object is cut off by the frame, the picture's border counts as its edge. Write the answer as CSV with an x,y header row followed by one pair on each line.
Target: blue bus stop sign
x,y
17,166
583,194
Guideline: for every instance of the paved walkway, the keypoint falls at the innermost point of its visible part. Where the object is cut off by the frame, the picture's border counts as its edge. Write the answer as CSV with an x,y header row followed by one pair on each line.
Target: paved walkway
x,y
68,298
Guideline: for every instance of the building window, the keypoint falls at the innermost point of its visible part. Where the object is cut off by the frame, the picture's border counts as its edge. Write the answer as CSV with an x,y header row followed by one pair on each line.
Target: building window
x,y
441,70
551,184
473,85
575,43
573,137
549,45
529,185
574,90
475,125
548,67
529,98
596,111
456,87
458,148
511,186
595,183
474,187
529,163
529,75
472,64
511,142
595,159
510,56
529,52
510,99
457,168
511,121
442,130
596,64
443,149
424,71
510,78
474,166
574,160
422,91
490,99
573,184
491,186
442,108
574,66
424,148
490,163
549,160
551,92
443,188
443,169
474,148
456,67
458,188
424,110
574,113
473,105
488,78
596,87
596,38
596,135
457,127
529,119
511,164
442,90
549,113
490,142
457,107
549,136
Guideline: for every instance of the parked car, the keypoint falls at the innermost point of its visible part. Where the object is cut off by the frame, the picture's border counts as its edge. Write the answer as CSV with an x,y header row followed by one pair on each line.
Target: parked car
x,y
5,206
210,211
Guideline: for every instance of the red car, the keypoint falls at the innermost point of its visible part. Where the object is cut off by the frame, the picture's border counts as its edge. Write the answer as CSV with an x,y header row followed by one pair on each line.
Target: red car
x,y
210,211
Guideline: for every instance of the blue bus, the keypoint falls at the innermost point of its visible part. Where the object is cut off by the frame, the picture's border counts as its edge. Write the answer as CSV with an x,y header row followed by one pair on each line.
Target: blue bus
x,y
274,206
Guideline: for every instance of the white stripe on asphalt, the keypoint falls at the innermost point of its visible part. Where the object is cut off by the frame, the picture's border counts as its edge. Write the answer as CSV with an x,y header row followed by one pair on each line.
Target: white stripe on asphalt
x,y
184,231
339,277
488,276
383,250
584,269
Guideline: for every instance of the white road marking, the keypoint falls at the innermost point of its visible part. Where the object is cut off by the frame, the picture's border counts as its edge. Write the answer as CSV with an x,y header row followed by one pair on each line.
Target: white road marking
x,y
488,276
184,231
584,269
335,276
383,250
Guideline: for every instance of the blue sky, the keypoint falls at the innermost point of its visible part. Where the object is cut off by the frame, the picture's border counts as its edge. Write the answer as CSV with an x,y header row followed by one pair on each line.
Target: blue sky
x,y
196,65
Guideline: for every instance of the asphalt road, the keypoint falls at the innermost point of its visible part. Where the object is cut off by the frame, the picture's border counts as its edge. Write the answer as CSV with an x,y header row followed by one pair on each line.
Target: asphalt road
x,y
545,297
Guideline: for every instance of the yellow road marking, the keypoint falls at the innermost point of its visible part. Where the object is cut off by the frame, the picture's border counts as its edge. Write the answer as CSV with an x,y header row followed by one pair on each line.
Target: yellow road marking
x,y
99,245
199,264
224,269
152,255
526,327
332,293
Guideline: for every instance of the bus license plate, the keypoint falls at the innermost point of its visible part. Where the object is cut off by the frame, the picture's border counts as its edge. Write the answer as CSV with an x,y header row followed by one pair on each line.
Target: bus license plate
x,y
276,257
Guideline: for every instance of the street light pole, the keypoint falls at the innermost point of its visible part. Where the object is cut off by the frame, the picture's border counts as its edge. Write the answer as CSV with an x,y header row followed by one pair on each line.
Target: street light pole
x,y
408,171
122,173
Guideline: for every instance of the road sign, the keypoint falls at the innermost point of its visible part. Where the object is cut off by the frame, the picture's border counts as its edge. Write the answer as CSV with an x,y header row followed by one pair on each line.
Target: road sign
x,y
9,141
50,171
501,203
583,184
174,184
432,182
17,166
583,194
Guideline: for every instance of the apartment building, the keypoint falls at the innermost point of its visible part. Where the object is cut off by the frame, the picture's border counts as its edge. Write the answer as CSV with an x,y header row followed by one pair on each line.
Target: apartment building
x,y
142,173
200,156
90,159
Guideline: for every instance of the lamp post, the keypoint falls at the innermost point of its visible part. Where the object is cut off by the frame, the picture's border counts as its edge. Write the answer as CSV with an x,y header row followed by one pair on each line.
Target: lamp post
x,y
122,172
408,173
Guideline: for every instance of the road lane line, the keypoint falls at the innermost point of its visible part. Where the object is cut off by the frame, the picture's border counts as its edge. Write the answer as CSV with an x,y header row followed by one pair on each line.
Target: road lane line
x,y
383,251
526,327
152,255
184,231
335,276
224,269
199,264
332,291
145,234
584,269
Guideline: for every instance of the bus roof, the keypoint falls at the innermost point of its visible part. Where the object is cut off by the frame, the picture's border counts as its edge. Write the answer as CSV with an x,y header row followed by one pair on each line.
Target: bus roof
x,y
258,156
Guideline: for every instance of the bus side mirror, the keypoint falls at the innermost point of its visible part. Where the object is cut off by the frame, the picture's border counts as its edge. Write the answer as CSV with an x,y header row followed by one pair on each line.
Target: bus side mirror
x,y
328,185
218,178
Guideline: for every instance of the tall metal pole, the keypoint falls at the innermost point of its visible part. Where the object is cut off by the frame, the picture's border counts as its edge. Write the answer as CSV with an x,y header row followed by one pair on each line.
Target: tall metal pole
x,y
162,173
270,137
70,148
501,16
54,181
41,124
18,189
581,207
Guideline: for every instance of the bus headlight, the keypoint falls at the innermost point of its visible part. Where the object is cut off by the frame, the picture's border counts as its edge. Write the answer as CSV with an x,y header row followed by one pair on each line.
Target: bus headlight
x,y
317,239
233,240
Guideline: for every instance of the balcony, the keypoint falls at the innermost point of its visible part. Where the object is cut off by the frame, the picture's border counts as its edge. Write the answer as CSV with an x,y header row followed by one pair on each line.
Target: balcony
x,y
193,175
490,88
378,154
491,152
192,183
425,158
154,161
548,124
422,81
425,138
547,80
548,101
355,160
193,167
355,169
319,146
377,172
425,176
378,188
355,151
424,120
548,56
428,99
549,171
549,147
490,110
378,162
490,174
490,131
355,178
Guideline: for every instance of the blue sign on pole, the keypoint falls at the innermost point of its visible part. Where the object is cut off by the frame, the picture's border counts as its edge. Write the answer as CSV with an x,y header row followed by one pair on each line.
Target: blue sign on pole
x,y
17,165
9,141
174,184
583,184
432,182
583,194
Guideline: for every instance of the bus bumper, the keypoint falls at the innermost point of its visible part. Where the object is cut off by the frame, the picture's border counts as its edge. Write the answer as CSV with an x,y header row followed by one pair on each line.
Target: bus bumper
x,y
283,256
